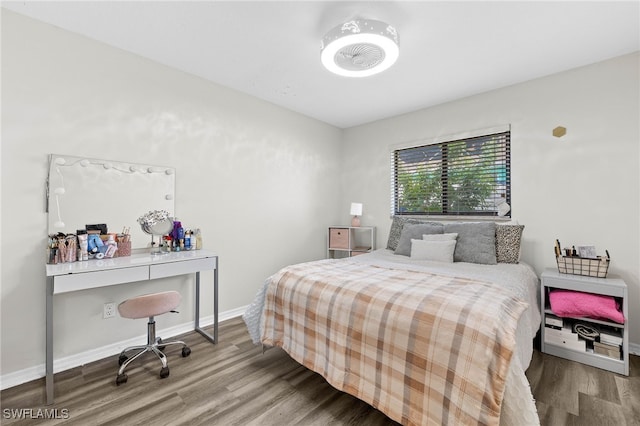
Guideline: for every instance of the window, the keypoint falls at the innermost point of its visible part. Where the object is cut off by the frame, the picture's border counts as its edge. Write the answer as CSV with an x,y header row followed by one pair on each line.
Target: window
x,y
467,177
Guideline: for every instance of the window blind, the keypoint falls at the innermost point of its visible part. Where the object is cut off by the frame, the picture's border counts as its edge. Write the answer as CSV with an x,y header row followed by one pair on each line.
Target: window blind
x,y
469,176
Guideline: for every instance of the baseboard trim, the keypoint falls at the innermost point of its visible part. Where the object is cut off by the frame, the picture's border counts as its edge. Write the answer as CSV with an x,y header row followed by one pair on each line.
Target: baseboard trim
x,y
32,373
634,348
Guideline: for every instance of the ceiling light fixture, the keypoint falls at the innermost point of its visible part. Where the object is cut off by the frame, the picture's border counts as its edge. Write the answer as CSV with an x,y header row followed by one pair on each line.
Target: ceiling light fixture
x,y
360,48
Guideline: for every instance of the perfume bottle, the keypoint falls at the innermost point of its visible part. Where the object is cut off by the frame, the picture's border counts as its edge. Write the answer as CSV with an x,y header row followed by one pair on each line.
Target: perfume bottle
x,y
198,239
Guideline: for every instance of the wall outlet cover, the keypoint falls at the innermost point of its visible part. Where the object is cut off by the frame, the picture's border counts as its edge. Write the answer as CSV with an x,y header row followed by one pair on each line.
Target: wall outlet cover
x,y
109,310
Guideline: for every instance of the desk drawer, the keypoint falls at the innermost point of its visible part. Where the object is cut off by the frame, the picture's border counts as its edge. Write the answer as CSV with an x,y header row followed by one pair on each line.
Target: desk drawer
x,y
86,280
182,267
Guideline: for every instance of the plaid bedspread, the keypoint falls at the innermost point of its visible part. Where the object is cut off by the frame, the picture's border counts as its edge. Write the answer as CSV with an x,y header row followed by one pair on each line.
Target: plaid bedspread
x,y
421,348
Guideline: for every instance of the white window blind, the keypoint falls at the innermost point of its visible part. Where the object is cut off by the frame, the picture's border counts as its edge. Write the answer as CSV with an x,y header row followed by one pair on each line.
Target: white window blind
x,y
467,177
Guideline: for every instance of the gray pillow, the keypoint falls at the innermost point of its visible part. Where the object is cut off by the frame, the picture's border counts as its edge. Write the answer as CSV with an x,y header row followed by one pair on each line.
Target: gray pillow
x,y
476,242
396,229
415,231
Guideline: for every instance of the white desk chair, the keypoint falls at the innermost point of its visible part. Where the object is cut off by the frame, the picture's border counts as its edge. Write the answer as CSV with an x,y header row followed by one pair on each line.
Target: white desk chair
x,y
148,306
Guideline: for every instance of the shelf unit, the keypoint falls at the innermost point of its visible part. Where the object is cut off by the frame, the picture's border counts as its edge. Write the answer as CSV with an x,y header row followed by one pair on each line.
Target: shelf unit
x,y
348,241
566,348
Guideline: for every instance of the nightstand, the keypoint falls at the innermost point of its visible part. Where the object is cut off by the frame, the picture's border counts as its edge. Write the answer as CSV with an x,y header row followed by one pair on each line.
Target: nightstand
x,y
557,337
348,241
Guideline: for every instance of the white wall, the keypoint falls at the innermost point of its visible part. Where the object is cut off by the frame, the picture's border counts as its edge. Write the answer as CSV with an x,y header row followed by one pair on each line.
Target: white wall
x,y
259,180
583,188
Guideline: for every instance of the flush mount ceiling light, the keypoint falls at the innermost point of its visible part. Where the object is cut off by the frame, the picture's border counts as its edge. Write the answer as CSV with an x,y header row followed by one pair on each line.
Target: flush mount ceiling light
x,y
360,48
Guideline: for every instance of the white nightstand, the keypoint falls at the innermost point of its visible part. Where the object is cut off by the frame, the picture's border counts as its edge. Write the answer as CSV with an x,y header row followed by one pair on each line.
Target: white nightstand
x,y
562,343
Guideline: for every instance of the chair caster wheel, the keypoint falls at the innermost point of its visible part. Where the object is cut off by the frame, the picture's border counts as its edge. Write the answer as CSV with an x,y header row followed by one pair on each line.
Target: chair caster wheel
x,y
122,378
186,352
164,372
122,359
160,348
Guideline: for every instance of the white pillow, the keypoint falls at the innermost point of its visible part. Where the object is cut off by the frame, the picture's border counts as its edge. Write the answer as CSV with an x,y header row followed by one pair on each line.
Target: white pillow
x,y
440,251
440,237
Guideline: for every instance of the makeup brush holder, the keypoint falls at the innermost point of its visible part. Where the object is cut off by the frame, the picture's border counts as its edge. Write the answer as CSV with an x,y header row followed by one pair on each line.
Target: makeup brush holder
x,y
124,249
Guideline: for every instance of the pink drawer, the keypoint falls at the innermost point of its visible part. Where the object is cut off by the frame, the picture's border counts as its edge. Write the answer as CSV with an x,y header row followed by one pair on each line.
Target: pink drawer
x,y
339,238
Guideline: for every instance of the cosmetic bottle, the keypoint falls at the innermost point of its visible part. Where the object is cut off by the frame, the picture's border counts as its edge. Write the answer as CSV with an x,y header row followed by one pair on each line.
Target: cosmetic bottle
x,y
176,227
188,240
181,237
83,243
166,244
112,246
198,245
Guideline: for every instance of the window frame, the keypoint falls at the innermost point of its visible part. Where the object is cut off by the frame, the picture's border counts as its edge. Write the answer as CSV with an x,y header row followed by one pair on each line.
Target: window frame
x,y
499,188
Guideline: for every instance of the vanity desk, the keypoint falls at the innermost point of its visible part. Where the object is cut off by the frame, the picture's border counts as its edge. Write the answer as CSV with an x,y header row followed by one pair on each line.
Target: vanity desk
x,y
75,276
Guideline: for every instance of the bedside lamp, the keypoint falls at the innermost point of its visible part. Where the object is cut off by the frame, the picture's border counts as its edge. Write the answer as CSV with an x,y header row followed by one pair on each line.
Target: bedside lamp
x,y
356,212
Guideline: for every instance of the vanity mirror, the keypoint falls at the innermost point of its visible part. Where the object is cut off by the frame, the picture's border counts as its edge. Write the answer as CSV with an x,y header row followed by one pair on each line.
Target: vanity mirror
x,y
84,191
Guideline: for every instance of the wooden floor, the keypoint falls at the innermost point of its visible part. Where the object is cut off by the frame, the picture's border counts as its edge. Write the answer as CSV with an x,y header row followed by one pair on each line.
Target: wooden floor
x,y
233,383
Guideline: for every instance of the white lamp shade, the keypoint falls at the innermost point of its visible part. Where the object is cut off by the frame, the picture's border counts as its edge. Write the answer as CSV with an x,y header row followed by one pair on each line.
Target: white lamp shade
x,y
356,209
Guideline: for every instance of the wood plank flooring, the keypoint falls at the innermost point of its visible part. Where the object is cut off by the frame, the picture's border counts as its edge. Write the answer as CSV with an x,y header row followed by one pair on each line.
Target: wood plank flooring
x,y
234,383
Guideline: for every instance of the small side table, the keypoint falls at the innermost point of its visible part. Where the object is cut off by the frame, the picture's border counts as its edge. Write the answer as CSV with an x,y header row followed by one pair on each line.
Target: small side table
x,y
559,342
348,241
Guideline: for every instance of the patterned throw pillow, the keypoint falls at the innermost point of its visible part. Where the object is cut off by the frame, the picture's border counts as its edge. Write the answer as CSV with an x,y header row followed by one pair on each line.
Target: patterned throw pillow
x,y
395,231
508,238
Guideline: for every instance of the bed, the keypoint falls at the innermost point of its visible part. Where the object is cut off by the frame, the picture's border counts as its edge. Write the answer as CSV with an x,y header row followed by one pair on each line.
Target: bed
x,y
427,342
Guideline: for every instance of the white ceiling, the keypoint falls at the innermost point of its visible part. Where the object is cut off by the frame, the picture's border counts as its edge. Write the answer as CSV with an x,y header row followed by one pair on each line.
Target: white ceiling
x,y
271,49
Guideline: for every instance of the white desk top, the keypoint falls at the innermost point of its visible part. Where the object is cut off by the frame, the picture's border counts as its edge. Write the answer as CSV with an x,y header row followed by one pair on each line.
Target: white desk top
x,y
136,259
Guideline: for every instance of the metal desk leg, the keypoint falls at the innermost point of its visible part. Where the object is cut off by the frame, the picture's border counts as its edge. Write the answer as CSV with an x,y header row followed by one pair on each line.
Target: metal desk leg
x,y
214,338
49,341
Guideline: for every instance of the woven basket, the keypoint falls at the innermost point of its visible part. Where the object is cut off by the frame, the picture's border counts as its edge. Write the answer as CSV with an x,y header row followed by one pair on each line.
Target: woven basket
x,y
583,266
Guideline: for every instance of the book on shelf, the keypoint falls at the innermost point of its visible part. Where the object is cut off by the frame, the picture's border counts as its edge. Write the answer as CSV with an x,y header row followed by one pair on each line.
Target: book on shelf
x,y
611,351
551,320
611,341
611,338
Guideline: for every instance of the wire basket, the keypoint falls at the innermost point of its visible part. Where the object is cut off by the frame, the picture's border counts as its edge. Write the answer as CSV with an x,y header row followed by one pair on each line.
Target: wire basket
x,y
588,267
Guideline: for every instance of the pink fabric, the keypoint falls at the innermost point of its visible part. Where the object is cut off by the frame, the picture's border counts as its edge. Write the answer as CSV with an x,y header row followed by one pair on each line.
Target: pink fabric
x,y
566,303
149,305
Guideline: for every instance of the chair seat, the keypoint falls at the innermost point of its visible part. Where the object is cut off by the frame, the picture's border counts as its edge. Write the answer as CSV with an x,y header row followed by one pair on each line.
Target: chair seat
x,y
149,305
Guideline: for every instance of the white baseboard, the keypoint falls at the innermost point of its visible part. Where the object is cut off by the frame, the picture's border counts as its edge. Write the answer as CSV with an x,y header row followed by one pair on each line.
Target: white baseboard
x,y
634,348
32,373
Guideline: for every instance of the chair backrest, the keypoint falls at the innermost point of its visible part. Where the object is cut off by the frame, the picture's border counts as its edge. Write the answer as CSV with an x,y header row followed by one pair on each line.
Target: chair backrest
x,y
149,305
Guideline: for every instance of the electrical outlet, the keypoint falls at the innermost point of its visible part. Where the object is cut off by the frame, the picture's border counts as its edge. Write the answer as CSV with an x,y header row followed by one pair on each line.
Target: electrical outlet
x,y
109,310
